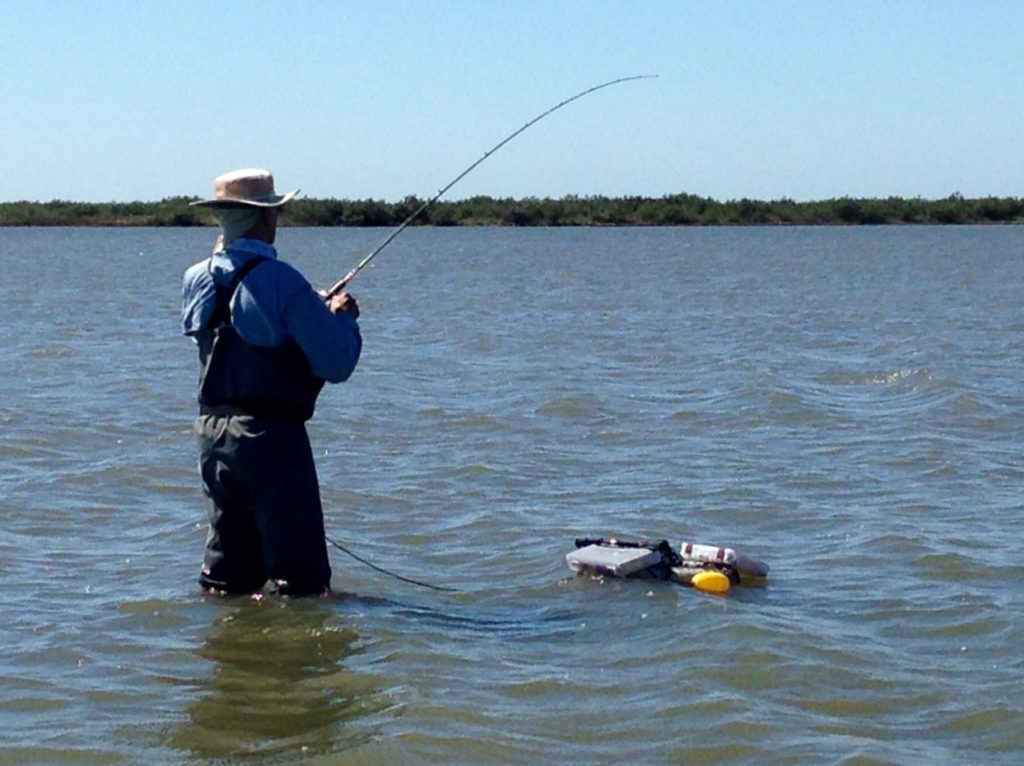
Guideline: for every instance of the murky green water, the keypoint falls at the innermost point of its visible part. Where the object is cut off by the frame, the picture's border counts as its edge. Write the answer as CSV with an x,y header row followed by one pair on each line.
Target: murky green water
x,y
843,403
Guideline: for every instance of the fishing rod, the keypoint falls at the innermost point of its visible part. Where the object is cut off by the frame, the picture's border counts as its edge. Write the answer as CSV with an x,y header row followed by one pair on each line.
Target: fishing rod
x,y
338,286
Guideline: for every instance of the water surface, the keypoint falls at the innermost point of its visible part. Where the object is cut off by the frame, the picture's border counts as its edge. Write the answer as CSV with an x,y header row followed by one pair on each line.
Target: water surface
x,y
843,403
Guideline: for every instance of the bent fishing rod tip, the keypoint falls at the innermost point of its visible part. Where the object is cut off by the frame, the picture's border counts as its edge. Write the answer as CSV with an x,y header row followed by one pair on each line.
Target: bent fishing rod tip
x,y
341,283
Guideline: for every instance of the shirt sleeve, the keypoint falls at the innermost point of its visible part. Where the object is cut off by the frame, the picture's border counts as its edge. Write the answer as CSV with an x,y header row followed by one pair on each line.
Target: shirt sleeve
x,y
331,342
198,297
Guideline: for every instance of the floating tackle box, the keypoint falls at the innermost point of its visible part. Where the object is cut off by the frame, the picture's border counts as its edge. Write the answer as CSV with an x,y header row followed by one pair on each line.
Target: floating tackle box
x,y
613,561
706,567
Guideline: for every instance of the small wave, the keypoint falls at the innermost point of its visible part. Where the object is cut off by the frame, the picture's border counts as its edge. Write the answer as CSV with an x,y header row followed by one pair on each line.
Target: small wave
x,y
475,469
893,377
57,352
858,394
571,407
982,721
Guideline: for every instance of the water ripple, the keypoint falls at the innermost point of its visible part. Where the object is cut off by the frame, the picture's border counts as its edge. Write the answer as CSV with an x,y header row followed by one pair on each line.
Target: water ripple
x,y
843,404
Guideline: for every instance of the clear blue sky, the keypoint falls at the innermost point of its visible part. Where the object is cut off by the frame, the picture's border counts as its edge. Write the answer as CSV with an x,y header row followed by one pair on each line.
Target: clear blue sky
x,y
803,99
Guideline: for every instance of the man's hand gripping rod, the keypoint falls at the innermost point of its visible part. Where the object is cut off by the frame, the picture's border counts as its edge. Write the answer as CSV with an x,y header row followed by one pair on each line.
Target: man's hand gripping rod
x,y
338,286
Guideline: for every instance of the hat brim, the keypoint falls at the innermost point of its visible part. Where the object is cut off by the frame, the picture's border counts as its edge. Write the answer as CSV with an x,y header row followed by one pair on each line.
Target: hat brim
x,y
275,201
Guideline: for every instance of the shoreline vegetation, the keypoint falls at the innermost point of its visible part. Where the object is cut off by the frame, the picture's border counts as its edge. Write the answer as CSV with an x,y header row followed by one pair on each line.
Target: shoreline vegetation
x,y
668,210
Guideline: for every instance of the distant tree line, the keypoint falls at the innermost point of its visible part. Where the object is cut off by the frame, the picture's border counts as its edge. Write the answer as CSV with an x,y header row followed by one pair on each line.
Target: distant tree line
x,y
172,211
669,210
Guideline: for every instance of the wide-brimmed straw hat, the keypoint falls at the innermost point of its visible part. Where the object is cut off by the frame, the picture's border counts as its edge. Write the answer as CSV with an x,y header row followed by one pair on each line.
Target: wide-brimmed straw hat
x,y
251,187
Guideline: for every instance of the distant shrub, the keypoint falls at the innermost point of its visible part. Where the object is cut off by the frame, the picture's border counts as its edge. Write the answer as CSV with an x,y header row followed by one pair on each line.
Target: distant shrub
x,y
572,210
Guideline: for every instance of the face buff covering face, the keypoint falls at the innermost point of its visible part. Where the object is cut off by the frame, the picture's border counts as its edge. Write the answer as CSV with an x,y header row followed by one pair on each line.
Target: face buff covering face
x,y
234,222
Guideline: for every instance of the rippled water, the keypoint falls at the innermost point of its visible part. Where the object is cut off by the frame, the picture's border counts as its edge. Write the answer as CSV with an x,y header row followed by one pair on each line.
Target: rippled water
x,y
842,403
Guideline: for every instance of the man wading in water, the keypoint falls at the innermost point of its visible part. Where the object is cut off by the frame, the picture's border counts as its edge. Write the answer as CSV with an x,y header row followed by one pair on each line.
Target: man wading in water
x,y
267,343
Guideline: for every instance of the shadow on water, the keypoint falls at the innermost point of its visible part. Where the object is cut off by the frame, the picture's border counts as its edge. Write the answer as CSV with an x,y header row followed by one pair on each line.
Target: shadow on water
x,y
468,613
278,686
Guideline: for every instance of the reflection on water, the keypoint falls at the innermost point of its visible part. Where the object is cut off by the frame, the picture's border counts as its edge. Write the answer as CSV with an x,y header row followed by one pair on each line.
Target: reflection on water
x,y
278,685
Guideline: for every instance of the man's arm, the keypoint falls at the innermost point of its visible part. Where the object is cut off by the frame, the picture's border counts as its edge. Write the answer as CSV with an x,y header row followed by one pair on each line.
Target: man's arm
x,y
198,297
328,335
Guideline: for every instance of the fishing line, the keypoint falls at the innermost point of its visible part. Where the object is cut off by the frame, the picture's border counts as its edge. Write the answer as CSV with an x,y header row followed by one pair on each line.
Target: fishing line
x,y
361,560
341,283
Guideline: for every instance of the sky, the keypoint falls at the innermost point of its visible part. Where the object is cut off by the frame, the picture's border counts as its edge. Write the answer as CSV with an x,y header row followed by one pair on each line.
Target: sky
x,y
800,99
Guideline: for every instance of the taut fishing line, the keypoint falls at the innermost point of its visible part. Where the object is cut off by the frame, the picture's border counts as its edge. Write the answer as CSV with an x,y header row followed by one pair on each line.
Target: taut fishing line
x,y
373,566
341,283
338,286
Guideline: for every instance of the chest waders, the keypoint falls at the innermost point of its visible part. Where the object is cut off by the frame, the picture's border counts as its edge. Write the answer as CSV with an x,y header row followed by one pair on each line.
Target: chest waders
x,y
266,520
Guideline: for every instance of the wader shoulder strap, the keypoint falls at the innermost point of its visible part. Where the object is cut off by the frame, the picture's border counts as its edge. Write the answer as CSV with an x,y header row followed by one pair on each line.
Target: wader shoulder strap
x,y
222,311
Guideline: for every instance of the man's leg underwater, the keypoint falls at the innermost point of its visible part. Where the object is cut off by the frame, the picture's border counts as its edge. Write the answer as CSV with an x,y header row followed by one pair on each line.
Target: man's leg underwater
x,y
289,514
233,561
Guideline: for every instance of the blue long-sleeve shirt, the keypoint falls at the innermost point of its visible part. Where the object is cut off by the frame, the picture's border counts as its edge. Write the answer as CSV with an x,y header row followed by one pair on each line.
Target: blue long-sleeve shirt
x,y
274,303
